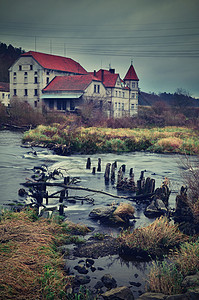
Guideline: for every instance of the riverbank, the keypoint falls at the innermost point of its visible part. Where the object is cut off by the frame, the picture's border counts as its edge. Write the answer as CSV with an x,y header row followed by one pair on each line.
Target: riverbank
x,y
67,140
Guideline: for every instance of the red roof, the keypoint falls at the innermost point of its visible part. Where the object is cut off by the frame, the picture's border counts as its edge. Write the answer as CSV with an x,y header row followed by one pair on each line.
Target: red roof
x,y
131,74
70,83
109,79
55,62
4,87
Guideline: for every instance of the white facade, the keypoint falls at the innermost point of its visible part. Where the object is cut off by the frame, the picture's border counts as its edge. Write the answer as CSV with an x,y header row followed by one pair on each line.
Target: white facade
x,y
28,78
5,98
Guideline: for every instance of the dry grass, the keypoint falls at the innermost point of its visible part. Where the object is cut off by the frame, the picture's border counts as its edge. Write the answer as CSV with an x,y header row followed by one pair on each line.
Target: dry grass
x,y
29,266
167,277
123,212
158,236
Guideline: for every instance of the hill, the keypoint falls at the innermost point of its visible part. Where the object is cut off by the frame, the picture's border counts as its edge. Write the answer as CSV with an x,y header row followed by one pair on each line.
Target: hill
x,y
177,99
8,55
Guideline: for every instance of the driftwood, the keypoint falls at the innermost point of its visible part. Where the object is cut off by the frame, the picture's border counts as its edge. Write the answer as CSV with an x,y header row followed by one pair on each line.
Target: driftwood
x,y
80,188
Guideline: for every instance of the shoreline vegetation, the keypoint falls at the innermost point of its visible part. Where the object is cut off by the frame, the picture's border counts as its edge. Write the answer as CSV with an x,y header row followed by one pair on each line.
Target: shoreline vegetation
x,y
70,139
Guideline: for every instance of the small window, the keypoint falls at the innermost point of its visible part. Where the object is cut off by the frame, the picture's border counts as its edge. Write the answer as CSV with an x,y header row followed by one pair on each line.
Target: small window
x,y
20,67
98,89
15,92
35,72
25,73
95,88
14,74
119,94
123,94
3,95
122,106
36,80
48,73
132,106
35,103
133,95
25,92
47,80
119,105
36,92
25,79
116,93
133,85
31,67
115,105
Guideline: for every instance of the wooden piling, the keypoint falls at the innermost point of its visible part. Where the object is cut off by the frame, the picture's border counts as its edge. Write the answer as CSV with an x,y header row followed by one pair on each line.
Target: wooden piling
x,y
113,172
62,196
88,164
99,165
123,168
61,210
107,172
94,170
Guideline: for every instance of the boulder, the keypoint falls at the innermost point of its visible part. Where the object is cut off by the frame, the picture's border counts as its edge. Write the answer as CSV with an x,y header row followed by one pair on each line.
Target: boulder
x,y
119,293
155,209
80,279
102,213
81,269
108,281
152,296
191,281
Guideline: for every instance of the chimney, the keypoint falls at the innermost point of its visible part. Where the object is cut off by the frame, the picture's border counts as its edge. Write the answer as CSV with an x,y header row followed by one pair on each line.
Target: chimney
x,y
102,75
112,71
94,72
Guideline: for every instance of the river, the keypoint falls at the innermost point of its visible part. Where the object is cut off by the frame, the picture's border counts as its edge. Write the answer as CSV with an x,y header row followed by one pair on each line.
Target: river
x,y
17,163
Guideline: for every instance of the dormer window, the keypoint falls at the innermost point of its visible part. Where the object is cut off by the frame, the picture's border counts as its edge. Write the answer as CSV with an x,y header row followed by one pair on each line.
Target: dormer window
x,y
47,80
31,67
20,67
48,73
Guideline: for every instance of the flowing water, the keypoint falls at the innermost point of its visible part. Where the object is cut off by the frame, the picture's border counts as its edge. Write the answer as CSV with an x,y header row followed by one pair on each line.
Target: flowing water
x,y
17,163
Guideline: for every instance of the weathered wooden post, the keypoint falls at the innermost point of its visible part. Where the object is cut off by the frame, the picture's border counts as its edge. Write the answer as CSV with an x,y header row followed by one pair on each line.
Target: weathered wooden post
x,y
66,182
119,177
47,198
131,174
61,210
94,170
62,196
107,172
99,165
115,164
88,164
113,172
123,168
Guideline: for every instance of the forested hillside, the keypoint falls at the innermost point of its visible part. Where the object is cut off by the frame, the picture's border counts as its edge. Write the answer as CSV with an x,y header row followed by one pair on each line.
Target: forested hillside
x,y
8,55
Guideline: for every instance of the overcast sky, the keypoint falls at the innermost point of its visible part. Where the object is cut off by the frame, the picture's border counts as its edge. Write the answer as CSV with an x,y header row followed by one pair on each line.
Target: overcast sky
x,y
161,37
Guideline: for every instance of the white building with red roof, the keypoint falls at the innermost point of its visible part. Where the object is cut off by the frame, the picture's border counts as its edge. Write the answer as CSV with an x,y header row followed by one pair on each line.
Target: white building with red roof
x,y
60,83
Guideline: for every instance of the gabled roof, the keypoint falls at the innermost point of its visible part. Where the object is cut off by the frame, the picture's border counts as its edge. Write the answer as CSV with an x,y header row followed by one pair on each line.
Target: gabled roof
x,y
4,87
70,83
55,62
131,74
109,79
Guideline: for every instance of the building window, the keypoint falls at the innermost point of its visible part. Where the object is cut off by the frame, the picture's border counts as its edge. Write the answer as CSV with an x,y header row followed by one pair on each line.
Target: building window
x,y
123,94
115,105
119,94
15,92
35,103
116,93
25,79
31,67
25,92
119,106
122,106
133,95
98,89
20,67
132,106
35,72
36,92
51,104
48,73
25,73
47,80
14,74
3,95
36,81
133,85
